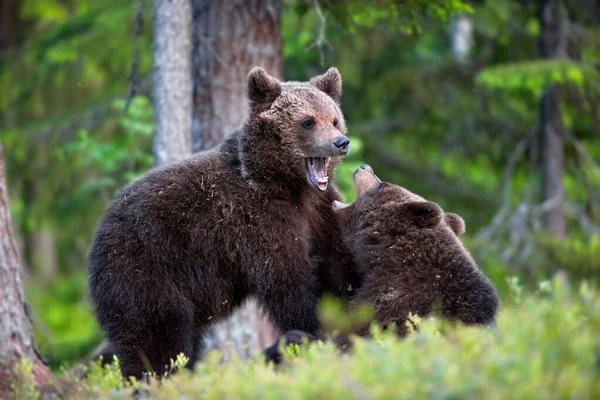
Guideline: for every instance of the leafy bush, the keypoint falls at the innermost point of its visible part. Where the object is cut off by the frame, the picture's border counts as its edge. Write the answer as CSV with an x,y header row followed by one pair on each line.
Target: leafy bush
x,y
545,345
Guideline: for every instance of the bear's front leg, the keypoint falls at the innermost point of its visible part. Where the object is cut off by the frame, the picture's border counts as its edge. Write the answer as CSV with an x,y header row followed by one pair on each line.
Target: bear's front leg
x,y
288,292
292,308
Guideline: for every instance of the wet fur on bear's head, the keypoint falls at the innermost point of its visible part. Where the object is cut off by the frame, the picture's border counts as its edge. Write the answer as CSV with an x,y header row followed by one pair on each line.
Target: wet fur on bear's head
x,y
410,256
290,125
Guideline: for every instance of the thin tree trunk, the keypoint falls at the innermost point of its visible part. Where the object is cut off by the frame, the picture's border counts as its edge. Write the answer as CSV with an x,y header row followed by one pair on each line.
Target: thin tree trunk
x,y
11,25
230,37
16,336
553,45
172,80
552,163
461,39
45,258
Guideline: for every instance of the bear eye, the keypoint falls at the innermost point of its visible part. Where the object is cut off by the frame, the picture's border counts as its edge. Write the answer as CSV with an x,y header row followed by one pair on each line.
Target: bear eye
x,y
335,122
308,123
380,186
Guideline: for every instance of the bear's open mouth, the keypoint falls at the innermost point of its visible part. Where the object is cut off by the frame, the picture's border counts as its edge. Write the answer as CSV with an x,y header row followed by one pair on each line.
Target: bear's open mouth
x,y
317,172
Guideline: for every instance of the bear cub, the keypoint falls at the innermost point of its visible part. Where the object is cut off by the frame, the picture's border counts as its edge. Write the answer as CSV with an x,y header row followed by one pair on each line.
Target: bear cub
x,y
186,244
410,258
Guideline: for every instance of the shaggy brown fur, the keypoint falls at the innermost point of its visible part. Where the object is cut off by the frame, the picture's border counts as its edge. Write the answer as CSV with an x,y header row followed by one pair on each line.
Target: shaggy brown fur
x,y
411,258
183,246
408,259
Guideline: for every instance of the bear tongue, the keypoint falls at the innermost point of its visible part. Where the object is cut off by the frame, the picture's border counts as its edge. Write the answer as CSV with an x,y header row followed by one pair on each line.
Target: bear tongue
x,y
317,172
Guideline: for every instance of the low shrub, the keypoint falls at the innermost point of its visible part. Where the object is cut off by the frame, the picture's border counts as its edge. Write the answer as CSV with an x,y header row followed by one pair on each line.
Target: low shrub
x,y
546,344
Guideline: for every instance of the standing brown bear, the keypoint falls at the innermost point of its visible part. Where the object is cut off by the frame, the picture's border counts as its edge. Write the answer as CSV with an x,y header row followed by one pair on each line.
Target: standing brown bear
x,y
410,257
184,245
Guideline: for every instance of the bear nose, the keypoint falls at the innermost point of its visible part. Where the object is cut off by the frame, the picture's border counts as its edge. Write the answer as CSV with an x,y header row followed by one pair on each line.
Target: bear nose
x,y
342,144
366,167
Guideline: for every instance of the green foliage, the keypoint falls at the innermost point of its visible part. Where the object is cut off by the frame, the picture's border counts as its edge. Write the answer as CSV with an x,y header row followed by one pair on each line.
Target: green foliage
x,y
407,16
441,128
579,257
335,318
118,161
534,76
544,346
65,326
101,378
24,386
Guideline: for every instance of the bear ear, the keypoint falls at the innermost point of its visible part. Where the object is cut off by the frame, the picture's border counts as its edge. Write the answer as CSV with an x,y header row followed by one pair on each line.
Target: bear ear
x,y
456,223
263,89
330,82
425,214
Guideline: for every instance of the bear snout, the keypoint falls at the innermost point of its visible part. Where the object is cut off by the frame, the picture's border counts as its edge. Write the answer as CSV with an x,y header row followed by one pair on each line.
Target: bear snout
x,y
342,144
478,304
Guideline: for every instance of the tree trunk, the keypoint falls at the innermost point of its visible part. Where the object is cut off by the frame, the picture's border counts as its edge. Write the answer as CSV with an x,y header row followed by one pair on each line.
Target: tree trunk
x,y
230,37
553,45
461,39
10,24
45,258
172,80
16,336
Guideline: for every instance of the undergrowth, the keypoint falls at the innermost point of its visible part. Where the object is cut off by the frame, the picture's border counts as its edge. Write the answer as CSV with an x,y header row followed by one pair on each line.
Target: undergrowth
x,y
545,344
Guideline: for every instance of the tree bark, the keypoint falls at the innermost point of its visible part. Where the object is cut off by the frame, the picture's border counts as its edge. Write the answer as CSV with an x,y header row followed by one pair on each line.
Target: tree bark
x,y
172,80
16,334
553,45
230,37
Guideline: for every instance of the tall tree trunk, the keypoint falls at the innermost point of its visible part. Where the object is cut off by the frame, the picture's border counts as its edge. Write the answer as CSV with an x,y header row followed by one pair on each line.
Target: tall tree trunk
x,y
230,37
16,336
553,45
172,80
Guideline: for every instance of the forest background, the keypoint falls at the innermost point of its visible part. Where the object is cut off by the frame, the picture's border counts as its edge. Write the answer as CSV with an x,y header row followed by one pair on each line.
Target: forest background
x,y
490,108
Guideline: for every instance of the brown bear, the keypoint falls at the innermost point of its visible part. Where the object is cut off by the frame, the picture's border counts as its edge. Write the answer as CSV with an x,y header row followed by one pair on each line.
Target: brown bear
x,y
410,258
181,247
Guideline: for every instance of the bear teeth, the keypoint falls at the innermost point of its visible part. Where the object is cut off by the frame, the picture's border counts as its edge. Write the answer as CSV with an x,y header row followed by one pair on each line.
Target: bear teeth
x,y
317,172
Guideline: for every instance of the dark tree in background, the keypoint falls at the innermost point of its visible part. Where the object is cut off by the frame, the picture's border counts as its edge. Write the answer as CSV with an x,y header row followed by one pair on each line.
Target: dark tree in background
x,y
554,24
230,37
16,333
